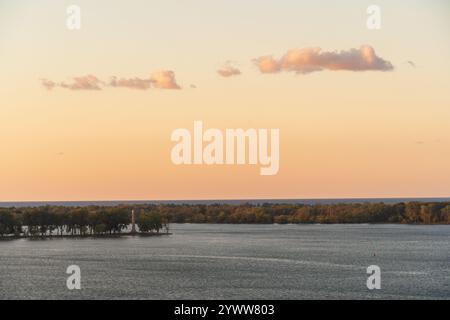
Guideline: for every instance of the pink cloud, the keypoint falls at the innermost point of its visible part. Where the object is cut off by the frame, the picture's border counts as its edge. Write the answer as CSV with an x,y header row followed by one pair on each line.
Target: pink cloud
x,y
267,64
132,83
228,71
164,79
88,82
307,60
48,84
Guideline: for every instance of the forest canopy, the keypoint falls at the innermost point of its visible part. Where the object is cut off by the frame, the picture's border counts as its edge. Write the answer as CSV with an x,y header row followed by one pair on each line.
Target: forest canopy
x,y
99,220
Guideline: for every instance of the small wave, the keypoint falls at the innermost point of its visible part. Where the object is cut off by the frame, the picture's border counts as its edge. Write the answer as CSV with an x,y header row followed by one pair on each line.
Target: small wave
x,y
407,273
262,259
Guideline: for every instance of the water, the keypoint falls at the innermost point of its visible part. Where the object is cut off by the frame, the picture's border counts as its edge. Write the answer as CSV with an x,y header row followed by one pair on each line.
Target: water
x,y
236,262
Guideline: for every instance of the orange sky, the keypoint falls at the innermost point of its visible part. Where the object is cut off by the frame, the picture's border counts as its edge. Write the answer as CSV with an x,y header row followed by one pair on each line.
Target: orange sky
x,y
343,133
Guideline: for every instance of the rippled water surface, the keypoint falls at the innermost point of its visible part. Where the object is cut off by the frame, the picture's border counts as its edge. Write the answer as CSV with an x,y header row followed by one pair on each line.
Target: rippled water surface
x,y
235,262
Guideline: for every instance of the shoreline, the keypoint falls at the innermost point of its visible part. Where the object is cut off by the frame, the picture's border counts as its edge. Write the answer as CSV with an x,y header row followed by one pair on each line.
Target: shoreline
x,y
156,234
93,236
97,221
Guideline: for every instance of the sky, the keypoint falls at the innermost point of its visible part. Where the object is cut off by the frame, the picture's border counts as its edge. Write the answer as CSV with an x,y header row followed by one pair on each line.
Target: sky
x,y
88,114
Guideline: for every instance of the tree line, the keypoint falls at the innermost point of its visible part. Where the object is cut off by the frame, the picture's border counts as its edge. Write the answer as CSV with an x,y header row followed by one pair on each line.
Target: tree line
x,y
95,220
75,221
410,212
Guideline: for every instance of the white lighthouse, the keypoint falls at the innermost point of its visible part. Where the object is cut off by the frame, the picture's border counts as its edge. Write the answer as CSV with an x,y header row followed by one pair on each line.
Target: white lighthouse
x,y
133,222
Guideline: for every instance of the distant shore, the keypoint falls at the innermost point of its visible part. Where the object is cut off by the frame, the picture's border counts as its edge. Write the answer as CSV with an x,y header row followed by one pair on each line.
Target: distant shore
x,y
306,201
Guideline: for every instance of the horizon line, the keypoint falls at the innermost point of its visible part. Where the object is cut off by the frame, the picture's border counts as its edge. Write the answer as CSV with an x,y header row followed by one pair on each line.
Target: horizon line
x,y
230,199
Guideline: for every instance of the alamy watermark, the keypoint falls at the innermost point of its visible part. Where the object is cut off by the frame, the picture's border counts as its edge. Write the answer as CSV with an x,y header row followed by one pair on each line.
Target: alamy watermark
x,y
373,21
73,19
233,146
374,280
74,280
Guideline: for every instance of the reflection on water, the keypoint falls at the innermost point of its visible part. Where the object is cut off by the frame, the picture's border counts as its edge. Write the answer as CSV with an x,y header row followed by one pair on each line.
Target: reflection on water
x,y
235,262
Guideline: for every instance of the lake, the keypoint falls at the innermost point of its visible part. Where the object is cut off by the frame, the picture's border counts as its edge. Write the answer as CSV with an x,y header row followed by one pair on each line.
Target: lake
x,y
210,261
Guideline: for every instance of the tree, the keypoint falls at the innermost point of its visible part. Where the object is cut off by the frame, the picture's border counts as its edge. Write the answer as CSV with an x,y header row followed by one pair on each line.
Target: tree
x,y
115,219
412,212
445,214
149,221
8,222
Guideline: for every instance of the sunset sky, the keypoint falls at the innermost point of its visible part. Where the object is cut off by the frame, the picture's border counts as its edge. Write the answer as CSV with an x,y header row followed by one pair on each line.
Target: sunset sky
x,y
361,113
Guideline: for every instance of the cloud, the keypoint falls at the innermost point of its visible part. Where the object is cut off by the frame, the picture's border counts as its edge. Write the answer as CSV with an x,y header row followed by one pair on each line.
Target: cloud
x,y
164,79
307,60
88,82
228,71
267,64
132,83
48,84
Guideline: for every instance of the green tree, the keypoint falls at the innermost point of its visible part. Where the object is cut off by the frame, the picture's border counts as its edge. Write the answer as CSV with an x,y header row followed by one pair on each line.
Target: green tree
x,y
149,221
8,222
